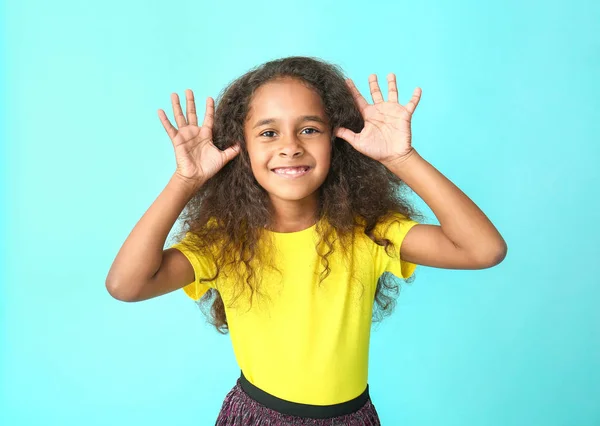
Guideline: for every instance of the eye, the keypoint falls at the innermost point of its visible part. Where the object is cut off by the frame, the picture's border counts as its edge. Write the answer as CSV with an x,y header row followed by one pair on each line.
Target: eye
x,y
313,130
268,135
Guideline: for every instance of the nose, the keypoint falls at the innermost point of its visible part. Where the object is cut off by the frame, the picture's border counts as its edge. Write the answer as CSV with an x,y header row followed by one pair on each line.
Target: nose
x,y
291,148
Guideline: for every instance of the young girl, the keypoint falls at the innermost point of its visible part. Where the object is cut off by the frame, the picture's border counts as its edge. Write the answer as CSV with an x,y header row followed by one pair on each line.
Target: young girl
x,y
293,226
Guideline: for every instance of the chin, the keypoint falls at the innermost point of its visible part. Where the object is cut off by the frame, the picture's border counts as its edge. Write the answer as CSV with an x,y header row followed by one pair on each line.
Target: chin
x,y
291,195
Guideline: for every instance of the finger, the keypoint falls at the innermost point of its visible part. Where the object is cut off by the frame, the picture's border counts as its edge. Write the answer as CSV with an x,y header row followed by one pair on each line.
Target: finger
x,y
361,102
414,101
171,131
177,112
231,152
190,108
346,134
209,114
392,88
375,91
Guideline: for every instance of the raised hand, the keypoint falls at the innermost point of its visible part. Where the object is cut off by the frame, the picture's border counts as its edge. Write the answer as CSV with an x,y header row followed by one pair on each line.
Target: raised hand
x,y
386,136
197,157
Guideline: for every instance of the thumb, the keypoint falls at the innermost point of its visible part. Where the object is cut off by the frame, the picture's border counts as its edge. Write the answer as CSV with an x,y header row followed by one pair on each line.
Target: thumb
x,y
346,134
231,152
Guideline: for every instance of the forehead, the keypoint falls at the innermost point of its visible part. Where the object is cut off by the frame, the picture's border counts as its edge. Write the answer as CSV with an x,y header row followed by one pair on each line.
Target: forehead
x,y
285,96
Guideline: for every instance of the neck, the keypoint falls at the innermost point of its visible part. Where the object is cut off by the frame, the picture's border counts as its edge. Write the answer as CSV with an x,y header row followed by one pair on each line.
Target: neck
x,y
293,216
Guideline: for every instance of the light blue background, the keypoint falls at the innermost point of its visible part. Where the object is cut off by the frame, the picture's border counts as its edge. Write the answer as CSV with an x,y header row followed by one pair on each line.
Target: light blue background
x,y
509,113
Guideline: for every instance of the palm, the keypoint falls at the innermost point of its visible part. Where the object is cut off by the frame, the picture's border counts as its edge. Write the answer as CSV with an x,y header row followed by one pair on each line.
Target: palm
x,y
386,134
196,155
195,152
385,123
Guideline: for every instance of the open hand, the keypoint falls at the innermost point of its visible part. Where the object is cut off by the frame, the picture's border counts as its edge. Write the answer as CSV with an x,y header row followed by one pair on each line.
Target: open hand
x,y
386,136
198,159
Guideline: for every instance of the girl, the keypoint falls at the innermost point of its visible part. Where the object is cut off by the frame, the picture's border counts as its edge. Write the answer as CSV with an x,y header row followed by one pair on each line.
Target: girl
x,y
293,223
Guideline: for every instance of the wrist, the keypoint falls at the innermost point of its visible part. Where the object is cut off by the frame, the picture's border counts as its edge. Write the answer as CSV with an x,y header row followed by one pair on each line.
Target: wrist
x,y
191,185
398,163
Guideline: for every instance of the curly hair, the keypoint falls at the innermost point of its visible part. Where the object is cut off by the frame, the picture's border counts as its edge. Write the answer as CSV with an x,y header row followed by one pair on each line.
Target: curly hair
x,y
229,213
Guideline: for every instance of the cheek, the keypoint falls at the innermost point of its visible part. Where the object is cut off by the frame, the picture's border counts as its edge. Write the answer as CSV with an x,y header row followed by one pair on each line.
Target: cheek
x,y
324,156
258,162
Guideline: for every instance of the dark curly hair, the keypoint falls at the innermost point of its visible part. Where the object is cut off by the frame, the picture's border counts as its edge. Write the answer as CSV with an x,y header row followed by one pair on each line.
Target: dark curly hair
x,y
229,213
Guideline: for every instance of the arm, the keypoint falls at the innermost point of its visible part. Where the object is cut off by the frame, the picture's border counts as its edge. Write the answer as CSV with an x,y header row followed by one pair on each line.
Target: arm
x,y
465,239
142,269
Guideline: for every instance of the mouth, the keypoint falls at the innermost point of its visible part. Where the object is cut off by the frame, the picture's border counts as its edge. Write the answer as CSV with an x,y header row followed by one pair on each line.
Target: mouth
x,y
291,172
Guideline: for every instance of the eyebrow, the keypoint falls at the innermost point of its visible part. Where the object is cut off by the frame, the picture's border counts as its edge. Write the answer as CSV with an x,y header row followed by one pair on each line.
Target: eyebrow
x,y
302,119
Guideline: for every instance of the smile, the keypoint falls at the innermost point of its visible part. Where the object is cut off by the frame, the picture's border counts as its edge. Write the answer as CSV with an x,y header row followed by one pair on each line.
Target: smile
x,y
292,172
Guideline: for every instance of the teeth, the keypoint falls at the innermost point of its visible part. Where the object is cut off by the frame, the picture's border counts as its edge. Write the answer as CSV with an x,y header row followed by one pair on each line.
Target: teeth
x,y
291,171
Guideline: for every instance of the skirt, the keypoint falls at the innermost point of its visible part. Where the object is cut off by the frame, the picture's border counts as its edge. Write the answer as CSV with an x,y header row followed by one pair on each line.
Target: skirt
x,y
247,405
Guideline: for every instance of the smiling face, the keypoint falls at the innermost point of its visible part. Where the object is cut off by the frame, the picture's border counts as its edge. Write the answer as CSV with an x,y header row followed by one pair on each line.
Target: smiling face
x,y
289,142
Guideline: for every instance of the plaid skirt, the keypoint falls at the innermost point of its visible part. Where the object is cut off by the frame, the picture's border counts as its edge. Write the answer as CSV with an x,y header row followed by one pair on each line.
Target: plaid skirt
x,y
247,405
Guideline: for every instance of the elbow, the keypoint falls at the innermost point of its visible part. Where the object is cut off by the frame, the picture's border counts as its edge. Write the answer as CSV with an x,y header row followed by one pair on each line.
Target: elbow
x,y
119,292
493,256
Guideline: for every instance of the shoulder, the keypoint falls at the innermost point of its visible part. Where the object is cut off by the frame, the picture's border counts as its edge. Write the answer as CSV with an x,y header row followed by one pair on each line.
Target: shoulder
x,y
398,220
196,237
387,238
390,225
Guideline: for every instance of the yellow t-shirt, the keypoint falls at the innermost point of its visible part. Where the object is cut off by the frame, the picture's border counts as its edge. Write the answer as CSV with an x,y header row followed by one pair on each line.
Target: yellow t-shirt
x,y
308,343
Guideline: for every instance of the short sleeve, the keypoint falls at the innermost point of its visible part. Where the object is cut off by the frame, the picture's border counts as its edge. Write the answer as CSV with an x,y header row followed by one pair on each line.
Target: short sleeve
x,y
394,229
203,267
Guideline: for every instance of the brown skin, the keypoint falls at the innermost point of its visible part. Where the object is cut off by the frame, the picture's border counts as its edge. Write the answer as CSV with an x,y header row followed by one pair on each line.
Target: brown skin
x,y
466,238
296,134
223,171
142,269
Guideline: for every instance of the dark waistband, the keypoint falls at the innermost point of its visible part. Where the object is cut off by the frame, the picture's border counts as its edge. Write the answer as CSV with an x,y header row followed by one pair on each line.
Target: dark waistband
x,y
303,410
